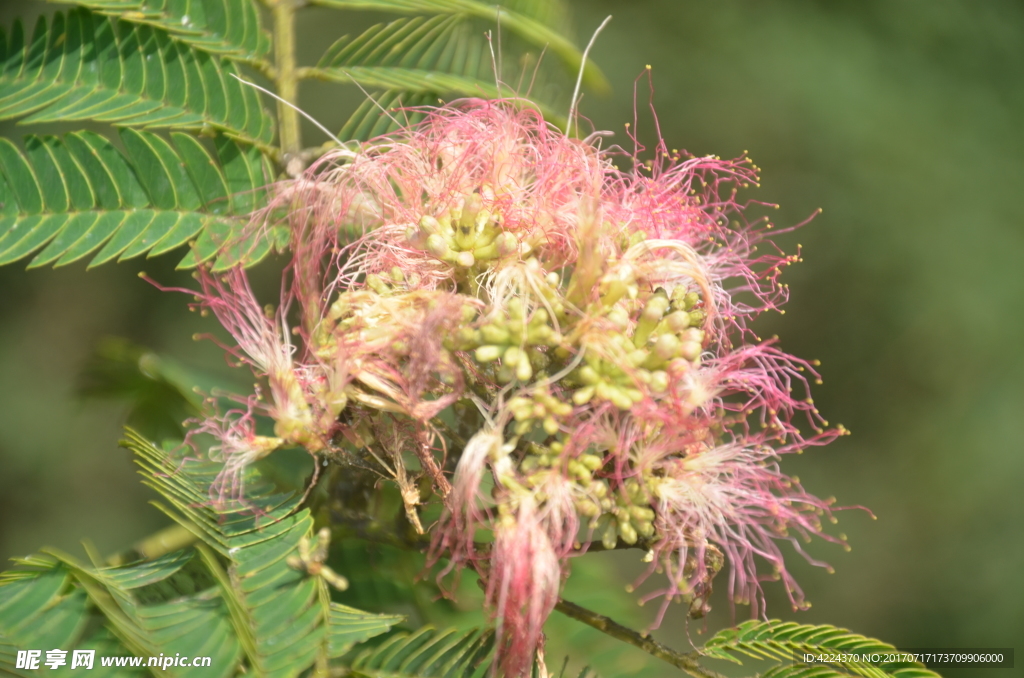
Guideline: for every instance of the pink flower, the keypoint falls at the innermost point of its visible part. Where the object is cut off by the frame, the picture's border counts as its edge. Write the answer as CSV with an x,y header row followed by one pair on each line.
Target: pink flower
x,y
580,326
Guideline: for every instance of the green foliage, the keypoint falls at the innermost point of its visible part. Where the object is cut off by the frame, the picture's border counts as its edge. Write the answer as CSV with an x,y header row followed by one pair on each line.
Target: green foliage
x,y
783,640
85,66
433,653
427,652
368,121
259,612
418,56
175,65
77,193
526,21
248,589
227,27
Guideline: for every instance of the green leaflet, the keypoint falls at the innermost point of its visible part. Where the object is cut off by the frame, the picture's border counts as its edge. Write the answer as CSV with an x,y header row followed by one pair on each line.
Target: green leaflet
x,y
277,620
384,112
227,27
84,66
419,57
439,653
284,619
427,652
72,195
780,640
523,25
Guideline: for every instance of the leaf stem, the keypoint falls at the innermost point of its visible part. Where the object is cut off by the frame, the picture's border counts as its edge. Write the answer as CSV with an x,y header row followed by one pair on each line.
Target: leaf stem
x,y
687,662
287,83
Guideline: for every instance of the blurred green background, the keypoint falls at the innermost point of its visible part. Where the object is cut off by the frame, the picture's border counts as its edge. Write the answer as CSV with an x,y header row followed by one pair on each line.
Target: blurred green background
x,y
901,119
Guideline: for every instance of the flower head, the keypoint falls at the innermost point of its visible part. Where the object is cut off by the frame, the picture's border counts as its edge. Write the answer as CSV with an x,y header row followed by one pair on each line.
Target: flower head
x,y
560,342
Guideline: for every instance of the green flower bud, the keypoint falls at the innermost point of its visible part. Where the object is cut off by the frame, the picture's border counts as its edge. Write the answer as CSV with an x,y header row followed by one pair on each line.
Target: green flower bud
x,y
561,409
666,347
690,350
619,398
429,224
487,353
486,252
677,321
654,309
583,395
619,317
588,375
634,394
540,335
512,356
524,371
612,291
377,284
641,513
437,246
507,243
628,533
493,334
694,334
611,536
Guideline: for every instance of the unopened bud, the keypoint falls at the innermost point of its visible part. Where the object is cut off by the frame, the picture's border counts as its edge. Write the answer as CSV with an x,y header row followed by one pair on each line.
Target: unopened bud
x,y
437,246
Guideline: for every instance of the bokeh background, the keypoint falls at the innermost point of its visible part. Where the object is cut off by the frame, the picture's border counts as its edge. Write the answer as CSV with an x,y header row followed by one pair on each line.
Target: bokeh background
x,y
901,119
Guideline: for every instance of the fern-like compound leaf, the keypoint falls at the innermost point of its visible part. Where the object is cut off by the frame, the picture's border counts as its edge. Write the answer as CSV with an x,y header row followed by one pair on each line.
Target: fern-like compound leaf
x,y
428,651
418,57
521,24
285,617
85,66
231,28
783,641
384,112
70,196
259,611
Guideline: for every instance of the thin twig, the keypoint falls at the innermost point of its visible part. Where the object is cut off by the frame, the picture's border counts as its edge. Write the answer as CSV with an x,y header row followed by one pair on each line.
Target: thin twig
x,y
687,662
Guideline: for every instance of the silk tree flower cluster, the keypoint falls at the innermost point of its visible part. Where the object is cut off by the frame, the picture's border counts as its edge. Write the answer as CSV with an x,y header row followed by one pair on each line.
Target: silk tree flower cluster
x,y
557,345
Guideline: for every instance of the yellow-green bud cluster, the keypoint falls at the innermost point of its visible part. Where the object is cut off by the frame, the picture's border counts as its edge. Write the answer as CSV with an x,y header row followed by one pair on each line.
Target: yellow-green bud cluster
x,y
613,512
625,515
540,406
466,236
667,331
514,339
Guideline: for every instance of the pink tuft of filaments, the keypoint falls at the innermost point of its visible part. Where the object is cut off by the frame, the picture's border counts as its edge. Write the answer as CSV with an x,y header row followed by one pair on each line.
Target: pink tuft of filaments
x,y
595,317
